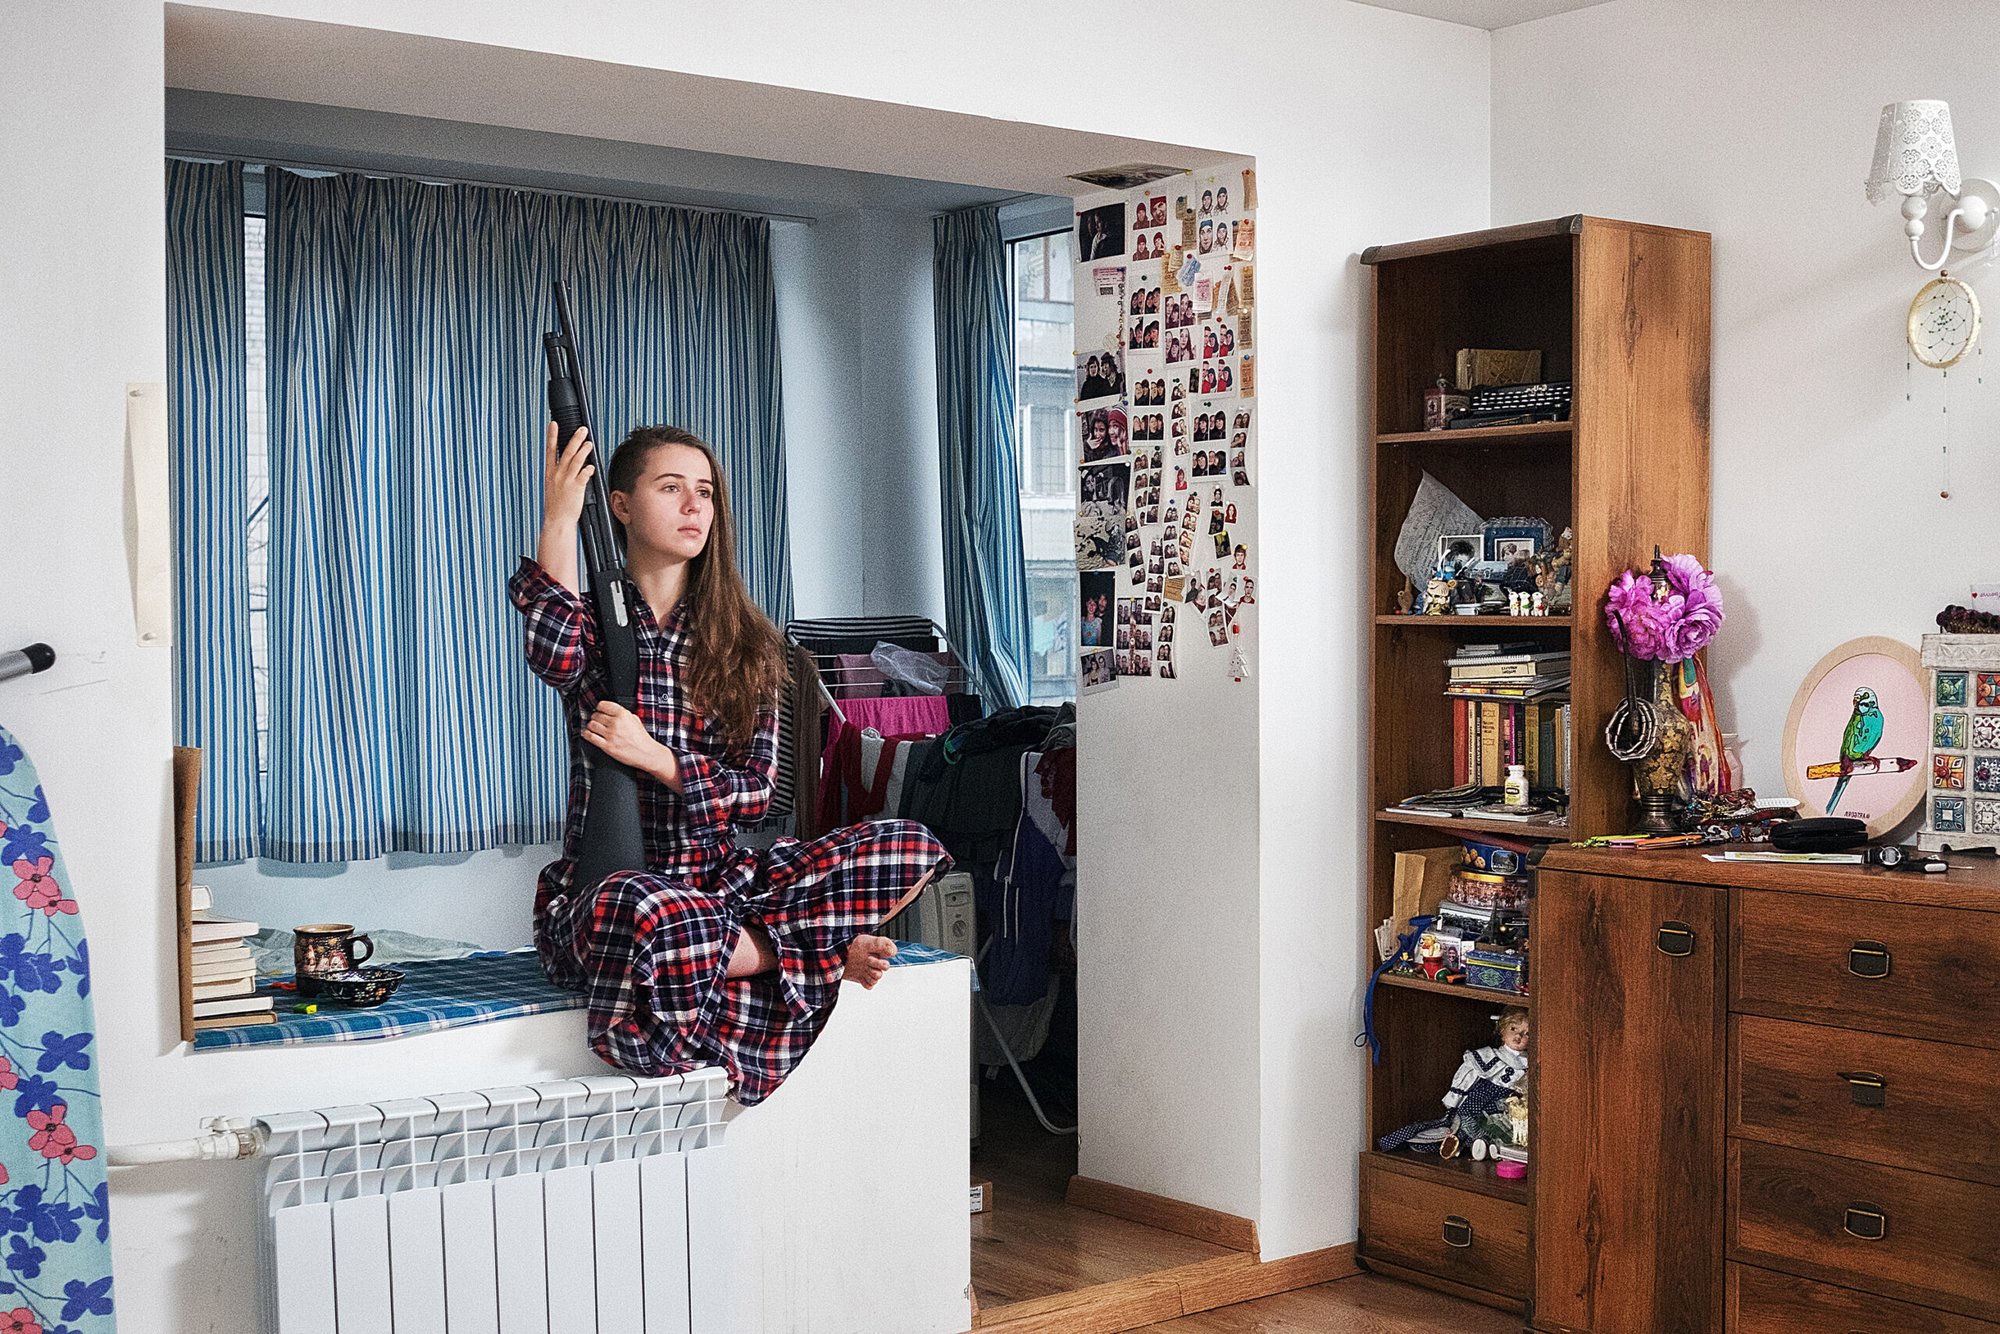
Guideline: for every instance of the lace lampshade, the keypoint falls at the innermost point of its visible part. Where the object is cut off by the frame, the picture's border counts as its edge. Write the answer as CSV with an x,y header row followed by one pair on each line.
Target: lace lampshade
x,y
1914,151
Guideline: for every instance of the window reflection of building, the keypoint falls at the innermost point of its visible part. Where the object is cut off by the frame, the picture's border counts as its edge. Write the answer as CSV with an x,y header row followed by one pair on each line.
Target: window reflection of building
x,y
1044,395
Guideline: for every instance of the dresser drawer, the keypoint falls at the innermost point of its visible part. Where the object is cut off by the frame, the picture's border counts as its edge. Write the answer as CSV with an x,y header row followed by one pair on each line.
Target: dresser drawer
x,y
1808,1213
1901,1101
1444,1230
1887,967
1763,1302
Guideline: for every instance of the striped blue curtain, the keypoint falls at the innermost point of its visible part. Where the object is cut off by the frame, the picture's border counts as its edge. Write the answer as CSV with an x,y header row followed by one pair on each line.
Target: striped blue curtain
x,y
985,573
215,704
406,401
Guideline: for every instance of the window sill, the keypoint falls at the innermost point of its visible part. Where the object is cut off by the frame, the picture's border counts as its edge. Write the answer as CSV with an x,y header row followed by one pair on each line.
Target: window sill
x,y
437,994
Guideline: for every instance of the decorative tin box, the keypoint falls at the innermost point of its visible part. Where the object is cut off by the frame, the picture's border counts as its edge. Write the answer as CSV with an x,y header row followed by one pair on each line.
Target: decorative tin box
x,y
1497,970
1962,805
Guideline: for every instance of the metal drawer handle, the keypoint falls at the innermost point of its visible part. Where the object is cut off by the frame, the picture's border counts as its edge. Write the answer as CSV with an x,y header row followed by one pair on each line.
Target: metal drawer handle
x,y
1868,958
1867,1090
1676,939
1457,1231
1866,1222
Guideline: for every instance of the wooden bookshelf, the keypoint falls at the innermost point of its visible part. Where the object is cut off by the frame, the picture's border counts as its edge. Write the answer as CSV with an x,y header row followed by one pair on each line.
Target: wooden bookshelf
x,y
1621,310
1503,626
1449,826
1484,995
1545,434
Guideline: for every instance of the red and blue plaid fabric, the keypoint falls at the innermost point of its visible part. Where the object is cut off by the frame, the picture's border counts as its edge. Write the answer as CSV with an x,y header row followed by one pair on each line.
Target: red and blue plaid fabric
x,y
650,949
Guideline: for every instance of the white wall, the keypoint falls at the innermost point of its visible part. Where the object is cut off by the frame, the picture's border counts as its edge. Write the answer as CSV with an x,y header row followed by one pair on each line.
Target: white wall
x,y
1366,125
858,344
1757,123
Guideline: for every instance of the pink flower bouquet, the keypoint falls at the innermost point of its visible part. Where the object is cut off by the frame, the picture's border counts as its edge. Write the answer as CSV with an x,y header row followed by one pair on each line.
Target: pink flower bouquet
x,y
1667,616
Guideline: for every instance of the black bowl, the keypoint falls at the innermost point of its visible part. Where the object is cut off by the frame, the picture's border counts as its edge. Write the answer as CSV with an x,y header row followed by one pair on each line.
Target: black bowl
x,y
360,987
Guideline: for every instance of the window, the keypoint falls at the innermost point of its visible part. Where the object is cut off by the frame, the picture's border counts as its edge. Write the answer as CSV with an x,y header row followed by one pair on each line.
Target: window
x,y
1044,394
257,533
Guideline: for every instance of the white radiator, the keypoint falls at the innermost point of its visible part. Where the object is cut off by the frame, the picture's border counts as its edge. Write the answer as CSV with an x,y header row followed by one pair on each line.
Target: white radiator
x,y
942,916
586,1206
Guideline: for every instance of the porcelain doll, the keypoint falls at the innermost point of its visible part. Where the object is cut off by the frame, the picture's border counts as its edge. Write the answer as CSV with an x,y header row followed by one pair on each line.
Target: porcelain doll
x,y
1487,1078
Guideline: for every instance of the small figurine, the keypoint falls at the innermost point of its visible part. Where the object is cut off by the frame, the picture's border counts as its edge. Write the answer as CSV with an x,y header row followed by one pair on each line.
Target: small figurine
x,y
1406,596
1552,573
1437,594
1430,954
1487,1079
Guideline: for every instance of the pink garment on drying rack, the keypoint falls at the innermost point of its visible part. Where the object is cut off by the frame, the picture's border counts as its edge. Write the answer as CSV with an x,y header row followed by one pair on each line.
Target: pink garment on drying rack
x,y
899,715
845,793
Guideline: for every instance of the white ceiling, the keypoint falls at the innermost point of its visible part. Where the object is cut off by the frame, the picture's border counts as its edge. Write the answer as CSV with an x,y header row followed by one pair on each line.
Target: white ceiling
x,y
1485,13
283,60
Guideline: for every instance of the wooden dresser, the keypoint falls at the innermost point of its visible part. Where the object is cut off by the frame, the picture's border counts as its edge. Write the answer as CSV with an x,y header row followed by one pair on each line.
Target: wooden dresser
x,y
1767,1098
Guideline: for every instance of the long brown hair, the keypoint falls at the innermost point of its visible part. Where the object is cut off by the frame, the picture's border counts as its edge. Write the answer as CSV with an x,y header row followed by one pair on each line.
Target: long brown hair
x,y
735,661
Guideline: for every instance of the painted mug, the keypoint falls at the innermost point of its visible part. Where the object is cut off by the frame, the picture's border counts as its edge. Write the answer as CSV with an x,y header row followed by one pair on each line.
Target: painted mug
x,y
326,948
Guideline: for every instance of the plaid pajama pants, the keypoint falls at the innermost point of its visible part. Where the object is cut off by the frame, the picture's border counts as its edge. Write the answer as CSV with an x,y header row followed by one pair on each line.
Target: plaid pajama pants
x,y
651,952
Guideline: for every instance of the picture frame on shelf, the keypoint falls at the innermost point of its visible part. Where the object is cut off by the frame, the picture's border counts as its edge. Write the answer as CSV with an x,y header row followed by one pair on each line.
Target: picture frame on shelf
x,y
1458,550
1504,541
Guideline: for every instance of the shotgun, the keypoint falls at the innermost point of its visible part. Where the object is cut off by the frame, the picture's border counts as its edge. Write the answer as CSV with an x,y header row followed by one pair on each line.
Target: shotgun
x,y
612,840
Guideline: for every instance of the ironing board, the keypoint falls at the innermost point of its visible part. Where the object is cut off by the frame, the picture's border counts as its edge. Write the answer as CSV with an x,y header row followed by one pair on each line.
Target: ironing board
x,y
55,1223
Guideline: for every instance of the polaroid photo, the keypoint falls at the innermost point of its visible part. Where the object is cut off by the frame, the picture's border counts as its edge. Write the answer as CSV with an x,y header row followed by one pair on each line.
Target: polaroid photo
x,y
1100,232
1095,594
1102,434
1098,669
1099,375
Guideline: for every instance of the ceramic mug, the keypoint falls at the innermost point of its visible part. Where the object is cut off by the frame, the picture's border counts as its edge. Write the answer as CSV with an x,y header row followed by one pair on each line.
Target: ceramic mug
x,y
325,948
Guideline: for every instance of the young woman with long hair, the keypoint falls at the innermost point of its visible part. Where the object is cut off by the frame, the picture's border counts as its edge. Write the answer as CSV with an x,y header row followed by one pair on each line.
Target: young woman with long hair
x,y
713,953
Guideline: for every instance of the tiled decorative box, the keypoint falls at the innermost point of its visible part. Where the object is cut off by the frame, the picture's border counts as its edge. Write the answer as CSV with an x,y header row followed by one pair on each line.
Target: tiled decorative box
x,y
1498,970
1962,806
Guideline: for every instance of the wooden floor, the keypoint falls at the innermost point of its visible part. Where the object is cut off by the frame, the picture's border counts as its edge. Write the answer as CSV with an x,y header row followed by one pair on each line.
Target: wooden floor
x,y
1364,1304
1034,1245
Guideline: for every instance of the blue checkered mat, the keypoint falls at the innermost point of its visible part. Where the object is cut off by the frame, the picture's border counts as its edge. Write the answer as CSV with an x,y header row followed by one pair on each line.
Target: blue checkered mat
x,y
438,994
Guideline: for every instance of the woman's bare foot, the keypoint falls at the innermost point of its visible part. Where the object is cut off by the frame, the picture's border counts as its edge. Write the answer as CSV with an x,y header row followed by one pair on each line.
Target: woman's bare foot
x,y
868,959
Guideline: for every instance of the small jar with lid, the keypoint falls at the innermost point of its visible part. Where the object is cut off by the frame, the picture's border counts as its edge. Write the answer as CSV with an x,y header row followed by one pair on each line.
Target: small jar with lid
x,y
1517,785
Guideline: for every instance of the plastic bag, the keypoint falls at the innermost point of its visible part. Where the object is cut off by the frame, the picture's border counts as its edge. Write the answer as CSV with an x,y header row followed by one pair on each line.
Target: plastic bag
x,y
921,672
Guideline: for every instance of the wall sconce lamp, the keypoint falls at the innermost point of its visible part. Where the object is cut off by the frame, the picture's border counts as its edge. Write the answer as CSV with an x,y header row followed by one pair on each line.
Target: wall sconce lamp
x,y
1916,157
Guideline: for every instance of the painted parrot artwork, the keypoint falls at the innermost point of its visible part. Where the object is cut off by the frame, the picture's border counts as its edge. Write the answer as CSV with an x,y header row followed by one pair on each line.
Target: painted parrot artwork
x,y
1864,733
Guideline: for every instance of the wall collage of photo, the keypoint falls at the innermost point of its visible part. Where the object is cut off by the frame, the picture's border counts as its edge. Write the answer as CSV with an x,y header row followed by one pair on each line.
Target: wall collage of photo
x,y
1166,386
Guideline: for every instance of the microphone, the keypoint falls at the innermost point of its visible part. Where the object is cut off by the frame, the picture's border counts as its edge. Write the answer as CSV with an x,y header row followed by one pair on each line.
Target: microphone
x,y
27,661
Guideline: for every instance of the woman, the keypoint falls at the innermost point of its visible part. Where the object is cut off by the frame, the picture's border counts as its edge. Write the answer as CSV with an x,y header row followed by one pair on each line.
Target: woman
x,y
712,954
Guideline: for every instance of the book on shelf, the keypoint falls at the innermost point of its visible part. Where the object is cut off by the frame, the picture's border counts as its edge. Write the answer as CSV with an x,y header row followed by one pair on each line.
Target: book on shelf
x,y
1494,650
250,1004
234,1020
223,965
1488,735
205,927
1511,667
222,988
1493,810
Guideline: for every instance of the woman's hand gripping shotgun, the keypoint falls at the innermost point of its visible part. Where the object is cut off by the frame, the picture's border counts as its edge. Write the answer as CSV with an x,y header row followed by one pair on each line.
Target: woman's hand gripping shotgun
x,y
612,839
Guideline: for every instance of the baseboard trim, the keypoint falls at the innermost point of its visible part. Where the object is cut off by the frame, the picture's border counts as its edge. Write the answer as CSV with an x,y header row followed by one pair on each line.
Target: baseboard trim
x,y
1189,1220
1133,1303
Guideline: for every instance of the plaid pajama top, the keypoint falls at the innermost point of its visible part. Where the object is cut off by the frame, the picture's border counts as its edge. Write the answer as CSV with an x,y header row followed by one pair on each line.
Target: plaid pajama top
x,y
650,949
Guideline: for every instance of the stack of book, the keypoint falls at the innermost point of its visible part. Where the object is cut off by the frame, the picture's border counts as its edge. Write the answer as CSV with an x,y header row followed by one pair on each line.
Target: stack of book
x,y
1510,705
222,973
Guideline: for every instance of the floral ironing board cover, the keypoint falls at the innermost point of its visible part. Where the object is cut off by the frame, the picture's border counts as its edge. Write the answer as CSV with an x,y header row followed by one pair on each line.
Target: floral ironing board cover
x,y
55,1220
